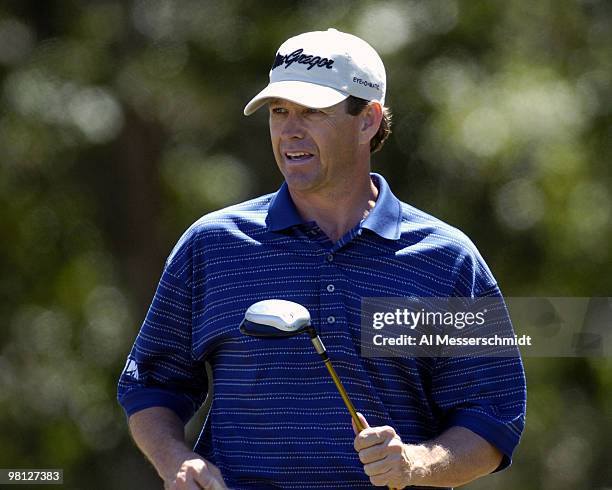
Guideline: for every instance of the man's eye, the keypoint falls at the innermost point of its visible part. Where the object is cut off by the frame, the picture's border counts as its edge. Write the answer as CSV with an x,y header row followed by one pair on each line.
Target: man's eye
x,y
279,110
312,111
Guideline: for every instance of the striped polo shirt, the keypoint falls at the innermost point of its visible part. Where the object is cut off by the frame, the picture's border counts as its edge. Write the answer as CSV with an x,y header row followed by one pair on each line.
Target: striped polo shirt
x,y
276,419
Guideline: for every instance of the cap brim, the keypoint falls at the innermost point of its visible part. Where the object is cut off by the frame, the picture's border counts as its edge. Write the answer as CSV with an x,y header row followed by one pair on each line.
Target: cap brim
x,y
303,93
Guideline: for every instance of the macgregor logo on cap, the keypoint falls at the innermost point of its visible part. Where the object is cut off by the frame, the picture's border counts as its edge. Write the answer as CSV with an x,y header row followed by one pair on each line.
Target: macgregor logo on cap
x,y
300,58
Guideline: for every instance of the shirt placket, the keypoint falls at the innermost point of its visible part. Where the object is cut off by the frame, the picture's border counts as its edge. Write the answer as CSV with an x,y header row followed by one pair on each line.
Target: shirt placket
x,y
332,314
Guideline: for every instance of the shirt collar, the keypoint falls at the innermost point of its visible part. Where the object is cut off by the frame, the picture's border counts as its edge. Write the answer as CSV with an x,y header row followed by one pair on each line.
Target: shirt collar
x,y
282,213
384,219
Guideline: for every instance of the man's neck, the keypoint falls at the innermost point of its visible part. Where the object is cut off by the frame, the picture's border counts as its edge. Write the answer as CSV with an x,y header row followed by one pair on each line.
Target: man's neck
x,y
338,210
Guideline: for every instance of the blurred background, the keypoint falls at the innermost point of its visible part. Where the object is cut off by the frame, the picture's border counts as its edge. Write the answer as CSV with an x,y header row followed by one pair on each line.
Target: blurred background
x,y
121,123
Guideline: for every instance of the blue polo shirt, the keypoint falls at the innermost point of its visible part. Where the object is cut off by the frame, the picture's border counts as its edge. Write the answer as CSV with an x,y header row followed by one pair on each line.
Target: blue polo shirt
x,y
276,419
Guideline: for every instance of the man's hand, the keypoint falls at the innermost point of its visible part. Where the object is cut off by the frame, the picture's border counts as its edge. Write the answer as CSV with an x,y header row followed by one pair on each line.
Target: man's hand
x,y
196,473
386,460
159,433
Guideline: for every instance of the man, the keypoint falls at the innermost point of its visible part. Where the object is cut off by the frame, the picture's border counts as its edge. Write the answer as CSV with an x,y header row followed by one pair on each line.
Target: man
x,y
332,235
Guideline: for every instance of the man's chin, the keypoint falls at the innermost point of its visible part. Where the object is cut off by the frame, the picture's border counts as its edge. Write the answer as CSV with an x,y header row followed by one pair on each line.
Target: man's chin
x,y
301,181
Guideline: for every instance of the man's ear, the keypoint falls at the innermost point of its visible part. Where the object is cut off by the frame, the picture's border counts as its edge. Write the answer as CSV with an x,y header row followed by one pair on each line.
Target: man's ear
x,y
370,117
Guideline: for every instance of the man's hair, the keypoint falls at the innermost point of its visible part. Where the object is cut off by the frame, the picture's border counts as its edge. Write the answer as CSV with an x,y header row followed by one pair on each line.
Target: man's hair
x,y
354,106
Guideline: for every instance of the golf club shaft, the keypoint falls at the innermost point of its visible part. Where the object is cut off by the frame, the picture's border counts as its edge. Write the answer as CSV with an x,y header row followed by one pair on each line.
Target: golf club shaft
x,y
344,395
345,398
320,348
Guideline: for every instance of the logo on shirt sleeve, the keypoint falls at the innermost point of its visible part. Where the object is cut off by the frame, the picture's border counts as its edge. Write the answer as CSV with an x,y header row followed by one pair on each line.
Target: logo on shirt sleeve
x,y
131,369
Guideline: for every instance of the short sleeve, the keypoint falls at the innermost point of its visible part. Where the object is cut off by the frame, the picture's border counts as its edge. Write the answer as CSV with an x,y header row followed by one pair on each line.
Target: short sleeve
x,y
484,394
160,369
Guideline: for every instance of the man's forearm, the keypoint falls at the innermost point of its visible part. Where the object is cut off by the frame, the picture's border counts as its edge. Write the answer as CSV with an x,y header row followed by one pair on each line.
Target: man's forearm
x,y
456,457
160,435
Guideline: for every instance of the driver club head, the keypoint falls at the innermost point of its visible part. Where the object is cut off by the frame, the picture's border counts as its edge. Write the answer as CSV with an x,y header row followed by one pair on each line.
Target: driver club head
x,y
275,318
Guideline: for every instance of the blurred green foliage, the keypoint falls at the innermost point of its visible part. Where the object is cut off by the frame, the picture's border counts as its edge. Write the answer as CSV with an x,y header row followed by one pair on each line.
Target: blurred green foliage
x,y
121,123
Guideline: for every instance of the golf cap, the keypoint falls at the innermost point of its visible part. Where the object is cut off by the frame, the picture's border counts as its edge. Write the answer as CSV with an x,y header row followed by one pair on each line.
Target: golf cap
x,y
322,68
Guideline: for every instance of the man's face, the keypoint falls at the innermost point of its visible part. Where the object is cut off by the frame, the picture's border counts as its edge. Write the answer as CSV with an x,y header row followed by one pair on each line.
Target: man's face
x,y
315,149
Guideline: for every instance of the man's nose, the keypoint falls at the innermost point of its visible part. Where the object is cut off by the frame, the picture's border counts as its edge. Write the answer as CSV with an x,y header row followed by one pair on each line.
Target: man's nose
x,y
293,127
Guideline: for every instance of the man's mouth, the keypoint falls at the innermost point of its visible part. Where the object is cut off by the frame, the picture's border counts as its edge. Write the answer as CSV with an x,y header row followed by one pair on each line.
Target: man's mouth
x,y
298,156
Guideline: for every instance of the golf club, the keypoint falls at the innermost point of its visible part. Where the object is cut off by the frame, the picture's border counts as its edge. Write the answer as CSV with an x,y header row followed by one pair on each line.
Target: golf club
x,y
278,318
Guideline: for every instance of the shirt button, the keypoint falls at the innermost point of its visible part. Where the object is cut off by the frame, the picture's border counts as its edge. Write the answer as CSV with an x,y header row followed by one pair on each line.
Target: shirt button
x,y
331,287
329,257
331,319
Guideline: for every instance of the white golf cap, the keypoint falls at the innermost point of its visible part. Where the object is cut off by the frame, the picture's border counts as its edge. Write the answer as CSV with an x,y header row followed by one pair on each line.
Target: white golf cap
x,y
322,68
